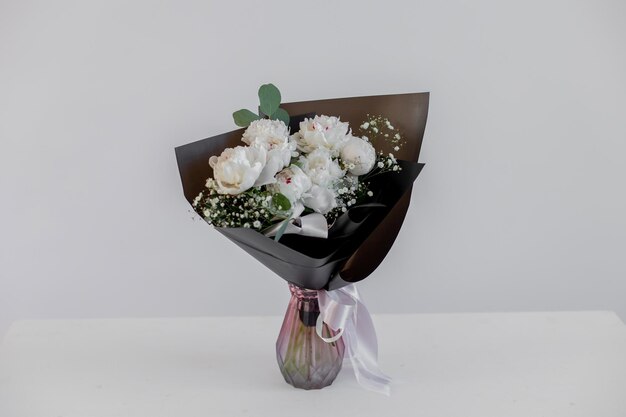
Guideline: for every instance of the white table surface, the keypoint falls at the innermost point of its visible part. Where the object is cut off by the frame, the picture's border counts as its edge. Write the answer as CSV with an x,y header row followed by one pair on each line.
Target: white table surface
x,y
504,365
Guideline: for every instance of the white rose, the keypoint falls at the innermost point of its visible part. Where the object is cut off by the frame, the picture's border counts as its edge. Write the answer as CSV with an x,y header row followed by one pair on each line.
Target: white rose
x,y
359,155
273,136
321,167
237,169
321,132
320,199
292,182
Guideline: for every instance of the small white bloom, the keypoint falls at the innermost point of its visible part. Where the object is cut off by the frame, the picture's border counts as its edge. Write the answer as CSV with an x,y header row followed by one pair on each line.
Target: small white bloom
x,y
256,224
395,167
375,129
370,194
397,136
396,148
381,164
210,184
237,169
365,125
359,155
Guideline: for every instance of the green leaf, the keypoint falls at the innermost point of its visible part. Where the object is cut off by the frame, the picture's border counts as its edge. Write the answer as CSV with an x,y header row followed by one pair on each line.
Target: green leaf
x,y
269,97
244,117
281,202
282,115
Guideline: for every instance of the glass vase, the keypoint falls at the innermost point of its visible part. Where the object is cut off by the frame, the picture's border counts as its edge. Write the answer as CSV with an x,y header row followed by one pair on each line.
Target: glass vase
x,y
305,360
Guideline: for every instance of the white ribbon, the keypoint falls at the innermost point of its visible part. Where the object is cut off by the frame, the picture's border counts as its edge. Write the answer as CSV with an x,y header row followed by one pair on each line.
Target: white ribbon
x,y
344,311
314,224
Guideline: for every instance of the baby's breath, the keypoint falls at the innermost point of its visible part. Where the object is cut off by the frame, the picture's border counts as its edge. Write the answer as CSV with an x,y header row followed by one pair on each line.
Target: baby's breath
x,y
380,131
379,127
350,191
242,210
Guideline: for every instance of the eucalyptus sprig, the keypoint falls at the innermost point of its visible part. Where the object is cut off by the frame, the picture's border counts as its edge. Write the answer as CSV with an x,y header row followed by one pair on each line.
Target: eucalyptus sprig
x,y
269,107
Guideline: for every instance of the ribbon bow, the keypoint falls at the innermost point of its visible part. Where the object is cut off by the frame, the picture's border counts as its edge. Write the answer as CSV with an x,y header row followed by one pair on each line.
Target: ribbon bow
x,y
315,224
344,311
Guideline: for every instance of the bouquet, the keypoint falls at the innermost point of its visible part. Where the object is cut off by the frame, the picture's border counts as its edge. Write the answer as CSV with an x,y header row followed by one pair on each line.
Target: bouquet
x,y
318,198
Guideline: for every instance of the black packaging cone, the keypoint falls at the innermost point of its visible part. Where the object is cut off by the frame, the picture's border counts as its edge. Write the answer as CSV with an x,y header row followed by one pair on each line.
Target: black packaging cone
x,y
360,239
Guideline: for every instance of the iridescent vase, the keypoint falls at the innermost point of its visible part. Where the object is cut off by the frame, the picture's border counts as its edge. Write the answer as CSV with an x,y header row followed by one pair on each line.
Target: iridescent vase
x,y
305,360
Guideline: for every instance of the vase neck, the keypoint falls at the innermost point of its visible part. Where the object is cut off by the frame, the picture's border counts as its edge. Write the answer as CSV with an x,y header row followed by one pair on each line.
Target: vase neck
x,y
306,303
302,293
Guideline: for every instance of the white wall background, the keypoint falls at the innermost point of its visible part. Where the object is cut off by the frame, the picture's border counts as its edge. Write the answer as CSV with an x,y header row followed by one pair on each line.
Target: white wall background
x,y
521,206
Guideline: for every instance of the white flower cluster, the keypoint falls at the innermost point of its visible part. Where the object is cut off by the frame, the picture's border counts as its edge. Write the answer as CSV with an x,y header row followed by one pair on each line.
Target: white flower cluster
x,y
317,167
243,167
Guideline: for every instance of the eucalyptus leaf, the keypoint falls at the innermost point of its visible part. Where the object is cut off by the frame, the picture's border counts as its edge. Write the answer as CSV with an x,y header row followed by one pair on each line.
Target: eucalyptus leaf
x,y
281,230
269,97
282,115
281,202
244,117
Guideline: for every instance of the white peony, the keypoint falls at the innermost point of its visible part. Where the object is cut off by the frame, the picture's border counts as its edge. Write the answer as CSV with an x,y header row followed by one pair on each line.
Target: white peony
x,y
273,136
358,155
321,167
320,199
237,169
276,160
321,132
266,133
292,182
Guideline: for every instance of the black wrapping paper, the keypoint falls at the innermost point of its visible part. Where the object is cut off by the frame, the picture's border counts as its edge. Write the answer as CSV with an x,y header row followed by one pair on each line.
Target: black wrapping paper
x,y
360,239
